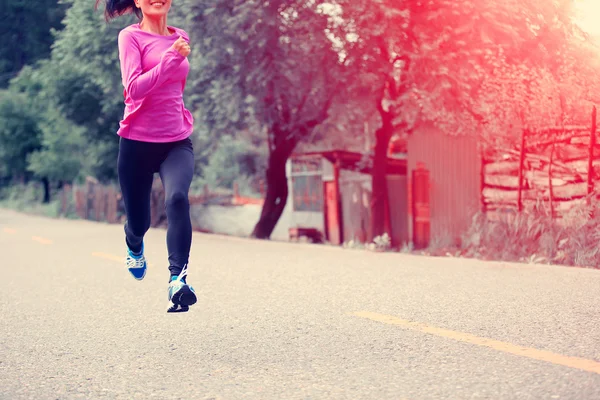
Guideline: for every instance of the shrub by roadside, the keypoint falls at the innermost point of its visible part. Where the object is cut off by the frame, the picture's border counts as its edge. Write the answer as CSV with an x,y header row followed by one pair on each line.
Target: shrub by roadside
x,y
27,198
532,236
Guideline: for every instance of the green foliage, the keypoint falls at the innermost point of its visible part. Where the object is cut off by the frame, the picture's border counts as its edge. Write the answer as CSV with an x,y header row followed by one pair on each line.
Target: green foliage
x,y
79,89
61,155
263,65
25,33
78,97
234,160
20,134
268,67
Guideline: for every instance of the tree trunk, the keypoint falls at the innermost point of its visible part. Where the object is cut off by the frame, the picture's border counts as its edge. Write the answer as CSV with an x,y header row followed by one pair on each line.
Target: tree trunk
x,y
590,177
379,203
277,192
521,167
46,184
550,185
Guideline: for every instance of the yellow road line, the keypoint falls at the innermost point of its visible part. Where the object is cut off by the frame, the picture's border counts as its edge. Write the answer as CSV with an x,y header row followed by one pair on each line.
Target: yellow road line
x,y
535,354
107,256
9,230
41,240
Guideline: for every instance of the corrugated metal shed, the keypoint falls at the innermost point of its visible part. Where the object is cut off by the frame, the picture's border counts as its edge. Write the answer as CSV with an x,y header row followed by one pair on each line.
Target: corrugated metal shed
x,y
343,211
454,165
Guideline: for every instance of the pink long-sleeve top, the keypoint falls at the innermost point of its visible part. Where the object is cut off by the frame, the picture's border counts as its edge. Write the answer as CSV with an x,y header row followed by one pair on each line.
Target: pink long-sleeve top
x,y
154,77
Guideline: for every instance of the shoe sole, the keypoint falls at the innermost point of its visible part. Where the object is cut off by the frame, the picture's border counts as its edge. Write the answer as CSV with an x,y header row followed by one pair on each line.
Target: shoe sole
x,y
175,308
135,277
182,300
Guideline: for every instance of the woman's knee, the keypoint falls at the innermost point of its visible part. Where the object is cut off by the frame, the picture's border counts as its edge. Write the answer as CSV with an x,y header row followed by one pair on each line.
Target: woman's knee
x,y
176,201
137,230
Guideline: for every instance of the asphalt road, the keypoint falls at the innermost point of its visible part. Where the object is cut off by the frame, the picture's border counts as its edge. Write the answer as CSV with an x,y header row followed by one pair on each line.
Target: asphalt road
x,y
285,321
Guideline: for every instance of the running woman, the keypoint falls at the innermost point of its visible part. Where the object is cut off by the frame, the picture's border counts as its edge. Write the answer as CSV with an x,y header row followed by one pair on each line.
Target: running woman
x,y
155,137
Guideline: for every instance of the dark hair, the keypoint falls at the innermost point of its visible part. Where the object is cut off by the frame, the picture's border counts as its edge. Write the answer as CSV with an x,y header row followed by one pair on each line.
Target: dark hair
x,y
115,8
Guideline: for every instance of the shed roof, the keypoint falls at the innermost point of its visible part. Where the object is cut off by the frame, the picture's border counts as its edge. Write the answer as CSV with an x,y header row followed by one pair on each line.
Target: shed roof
x,y
350,160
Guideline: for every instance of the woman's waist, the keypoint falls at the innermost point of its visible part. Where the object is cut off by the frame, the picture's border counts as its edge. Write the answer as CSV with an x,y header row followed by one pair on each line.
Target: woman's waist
x,y
153,104
159,123
157,113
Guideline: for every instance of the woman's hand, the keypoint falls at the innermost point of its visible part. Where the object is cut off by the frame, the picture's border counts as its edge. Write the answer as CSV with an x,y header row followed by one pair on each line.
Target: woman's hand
x,y
182,46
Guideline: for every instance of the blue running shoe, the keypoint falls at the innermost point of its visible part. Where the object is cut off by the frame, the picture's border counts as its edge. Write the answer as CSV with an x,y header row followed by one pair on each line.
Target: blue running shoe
x,y
181,295
136,264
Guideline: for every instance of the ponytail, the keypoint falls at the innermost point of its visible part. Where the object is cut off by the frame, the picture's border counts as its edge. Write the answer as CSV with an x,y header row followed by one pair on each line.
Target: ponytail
x,y
115,8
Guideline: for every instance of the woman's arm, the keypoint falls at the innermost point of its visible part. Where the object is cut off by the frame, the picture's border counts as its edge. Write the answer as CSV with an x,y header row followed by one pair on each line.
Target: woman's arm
x,y
137,84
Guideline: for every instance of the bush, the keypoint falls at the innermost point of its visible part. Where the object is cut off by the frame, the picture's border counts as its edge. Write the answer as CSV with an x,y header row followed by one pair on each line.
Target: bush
x,y
532,236
28,198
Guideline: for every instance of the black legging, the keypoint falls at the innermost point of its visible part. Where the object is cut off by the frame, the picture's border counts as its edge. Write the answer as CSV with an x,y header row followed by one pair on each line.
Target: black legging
x,y
137,163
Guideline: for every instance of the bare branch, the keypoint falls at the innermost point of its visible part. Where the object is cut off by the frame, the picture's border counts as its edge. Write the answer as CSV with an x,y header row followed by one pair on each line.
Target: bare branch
x,y
379,104
404,58
304,99
403,87
286,113
476,116
385,54
401,126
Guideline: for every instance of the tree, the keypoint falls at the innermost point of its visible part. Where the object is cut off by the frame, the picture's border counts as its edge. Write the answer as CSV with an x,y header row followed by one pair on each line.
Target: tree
x,y
19,134
26,34
235,160
428,62
265,65
77,99
60,157
60,152
87,81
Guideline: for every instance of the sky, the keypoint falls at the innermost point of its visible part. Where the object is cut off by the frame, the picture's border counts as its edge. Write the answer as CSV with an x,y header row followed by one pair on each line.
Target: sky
x,y
589,16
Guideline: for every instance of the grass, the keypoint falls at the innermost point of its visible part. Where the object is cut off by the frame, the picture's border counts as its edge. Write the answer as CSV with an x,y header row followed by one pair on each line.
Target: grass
x,y
533,237
27,198
51,209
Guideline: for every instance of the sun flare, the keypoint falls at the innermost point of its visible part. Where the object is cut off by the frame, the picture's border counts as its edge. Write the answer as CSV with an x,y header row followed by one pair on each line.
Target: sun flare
x,y
588,15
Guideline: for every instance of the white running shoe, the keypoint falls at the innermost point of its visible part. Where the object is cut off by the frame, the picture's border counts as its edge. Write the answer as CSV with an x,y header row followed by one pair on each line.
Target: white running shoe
x,y
181,295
